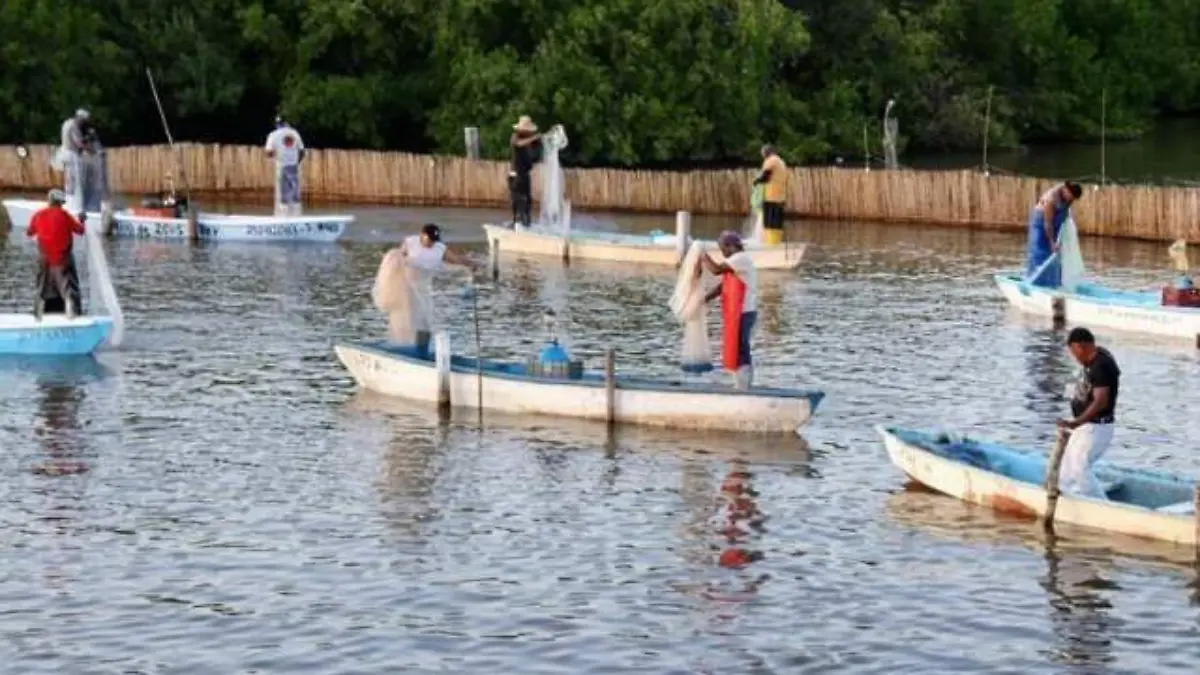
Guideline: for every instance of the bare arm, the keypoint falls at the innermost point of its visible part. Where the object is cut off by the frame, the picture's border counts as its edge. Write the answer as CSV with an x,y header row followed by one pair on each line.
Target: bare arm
x,y
1099,401
713,294
714,268
1048,222
456,258
523,142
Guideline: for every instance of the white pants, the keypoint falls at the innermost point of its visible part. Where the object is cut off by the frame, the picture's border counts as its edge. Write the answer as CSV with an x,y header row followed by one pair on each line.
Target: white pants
x,y
1084,448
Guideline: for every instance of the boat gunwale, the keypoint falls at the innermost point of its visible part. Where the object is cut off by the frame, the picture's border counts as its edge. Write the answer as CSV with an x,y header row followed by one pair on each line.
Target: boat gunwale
x,y
1121,299
126,214
644,242
814,396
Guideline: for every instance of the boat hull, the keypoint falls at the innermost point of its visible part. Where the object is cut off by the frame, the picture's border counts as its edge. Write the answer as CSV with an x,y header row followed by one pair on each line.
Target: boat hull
x,y
628,248
1124,310
1027,498
54,335
213,227
377,368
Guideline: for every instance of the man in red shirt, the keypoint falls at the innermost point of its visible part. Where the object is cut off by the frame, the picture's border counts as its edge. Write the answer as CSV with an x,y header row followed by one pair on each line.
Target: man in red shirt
x,y
58,282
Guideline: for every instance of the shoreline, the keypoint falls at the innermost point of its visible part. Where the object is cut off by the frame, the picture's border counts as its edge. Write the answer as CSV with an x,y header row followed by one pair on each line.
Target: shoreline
x,y
953,198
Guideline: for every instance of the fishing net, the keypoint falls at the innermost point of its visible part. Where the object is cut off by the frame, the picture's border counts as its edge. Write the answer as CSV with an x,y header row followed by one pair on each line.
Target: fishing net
x,y
687,303
753,227
101,292
554,187
1070,256
1179,257
405,293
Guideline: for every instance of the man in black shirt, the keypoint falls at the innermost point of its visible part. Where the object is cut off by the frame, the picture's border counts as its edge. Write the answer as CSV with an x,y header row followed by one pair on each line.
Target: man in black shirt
x,y
1093,411
520,186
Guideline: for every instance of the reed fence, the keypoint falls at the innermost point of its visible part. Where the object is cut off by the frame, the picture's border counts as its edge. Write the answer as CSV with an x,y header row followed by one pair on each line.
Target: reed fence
x,y
963,198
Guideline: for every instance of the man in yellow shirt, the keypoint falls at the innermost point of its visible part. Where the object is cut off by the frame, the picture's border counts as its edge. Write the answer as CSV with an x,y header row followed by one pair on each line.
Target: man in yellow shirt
x,y
775,176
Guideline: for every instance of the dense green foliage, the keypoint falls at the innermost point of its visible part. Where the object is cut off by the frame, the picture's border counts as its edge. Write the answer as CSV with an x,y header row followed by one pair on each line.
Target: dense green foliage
x,y
634,81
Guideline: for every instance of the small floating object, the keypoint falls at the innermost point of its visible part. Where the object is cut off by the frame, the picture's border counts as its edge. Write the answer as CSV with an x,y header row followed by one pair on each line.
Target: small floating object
x,y
1148,504
54,335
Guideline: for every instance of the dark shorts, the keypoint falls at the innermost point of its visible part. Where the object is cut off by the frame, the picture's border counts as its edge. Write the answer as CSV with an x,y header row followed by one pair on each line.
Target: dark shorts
x,y
773,215
745,330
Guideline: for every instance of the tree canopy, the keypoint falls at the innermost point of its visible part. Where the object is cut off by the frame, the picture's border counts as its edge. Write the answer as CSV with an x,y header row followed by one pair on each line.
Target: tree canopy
x,y
635,82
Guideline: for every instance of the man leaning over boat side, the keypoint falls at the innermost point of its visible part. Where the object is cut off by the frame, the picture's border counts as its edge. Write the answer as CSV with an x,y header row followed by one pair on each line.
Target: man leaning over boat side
x,y
774,177
286,147
1045,223
424,254
57,280
1093,408
738,291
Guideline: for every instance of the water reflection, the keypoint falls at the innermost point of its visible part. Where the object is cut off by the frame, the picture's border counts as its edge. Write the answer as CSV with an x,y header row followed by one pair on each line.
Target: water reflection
x,y
1080,608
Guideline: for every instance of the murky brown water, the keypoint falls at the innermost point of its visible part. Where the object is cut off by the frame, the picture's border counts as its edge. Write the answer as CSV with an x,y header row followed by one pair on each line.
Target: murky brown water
x,y
230,504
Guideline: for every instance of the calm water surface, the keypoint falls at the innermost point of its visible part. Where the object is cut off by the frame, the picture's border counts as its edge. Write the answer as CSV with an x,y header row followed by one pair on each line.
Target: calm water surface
x,y
215,497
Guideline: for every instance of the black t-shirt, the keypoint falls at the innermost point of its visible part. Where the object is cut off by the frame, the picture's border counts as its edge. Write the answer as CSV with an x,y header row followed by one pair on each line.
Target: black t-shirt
x,y
1101,372
522,158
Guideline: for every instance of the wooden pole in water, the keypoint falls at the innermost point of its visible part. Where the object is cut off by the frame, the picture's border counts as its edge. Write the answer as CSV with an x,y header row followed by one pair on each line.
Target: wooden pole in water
x,y
566,230
987,130
494,258
193,227
683,233
1103,136
610,384
1051,486
106,219
441,346
478,348
1058,310
1196,516
866,149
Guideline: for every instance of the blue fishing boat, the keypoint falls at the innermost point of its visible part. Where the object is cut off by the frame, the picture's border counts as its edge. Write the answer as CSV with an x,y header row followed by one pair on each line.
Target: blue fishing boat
x,y
53,335
1149,504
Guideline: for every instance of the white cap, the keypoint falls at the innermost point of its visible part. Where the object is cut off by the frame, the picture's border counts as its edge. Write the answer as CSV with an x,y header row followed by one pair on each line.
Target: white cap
x,y
57,196
82,113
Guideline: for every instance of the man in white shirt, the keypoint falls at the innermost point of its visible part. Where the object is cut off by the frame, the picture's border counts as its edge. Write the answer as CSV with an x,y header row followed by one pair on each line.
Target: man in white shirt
x,y
286,147
739,305
71,148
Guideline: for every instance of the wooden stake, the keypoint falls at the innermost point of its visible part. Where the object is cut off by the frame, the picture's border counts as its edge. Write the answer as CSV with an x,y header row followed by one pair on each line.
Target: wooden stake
x,y
193,225
1058,309
610,384
683,233
471,136
441,345
1196,516
1051,486
106,219
495,259
566,229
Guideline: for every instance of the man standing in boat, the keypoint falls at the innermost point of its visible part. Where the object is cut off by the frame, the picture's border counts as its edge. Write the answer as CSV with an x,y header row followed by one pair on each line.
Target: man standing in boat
x,y
57,281
1093,408
738,291
520,186
774,177
73,146
285,146
1045,224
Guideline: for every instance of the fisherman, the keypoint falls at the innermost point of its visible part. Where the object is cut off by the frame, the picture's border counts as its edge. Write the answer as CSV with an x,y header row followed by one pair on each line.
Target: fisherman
x,y
285,146
73,145
1045,223
404,289
1093,407
738,291
520,186
57,279
774,177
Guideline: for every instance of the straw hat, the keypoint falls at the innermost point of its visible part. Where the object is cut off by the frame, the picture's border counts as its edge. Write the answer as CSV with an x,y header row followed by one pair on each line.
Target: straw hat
x,y
525,124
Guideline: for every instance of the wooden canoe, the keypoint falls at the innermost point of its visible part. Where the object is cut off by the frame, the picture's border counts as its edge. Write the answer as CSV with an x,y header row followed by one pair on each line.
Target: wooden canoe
x,y
629,248
1147,504
210,226
1095,305
399,371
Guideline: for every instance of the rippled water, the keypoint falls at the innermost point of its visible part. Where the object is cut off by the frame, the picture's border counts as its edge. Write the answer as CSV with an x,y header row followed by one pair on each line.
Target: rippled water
x,y
216,498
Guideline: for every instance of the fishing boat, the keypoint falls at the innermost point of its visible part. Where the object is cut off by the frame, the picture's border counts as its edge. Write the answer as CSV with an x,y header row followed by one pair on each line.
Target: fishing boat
x,y
654,249
510,387
1147,504
165,223
53,335
1095,305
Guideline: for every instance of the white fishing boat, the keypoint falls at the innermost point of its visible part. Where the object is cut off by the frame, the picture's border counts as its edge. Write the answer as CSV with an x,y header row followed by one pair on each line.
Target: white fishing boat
x,y
52,335
655,249
553,232
1152,505
158,223
1095,305
511,388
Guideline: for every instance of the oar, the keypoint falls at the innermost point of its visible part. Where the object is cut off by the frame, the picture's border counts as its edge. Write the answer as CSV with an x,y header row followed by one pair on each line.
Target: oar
x,y
192,215
1024,285
1051,486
